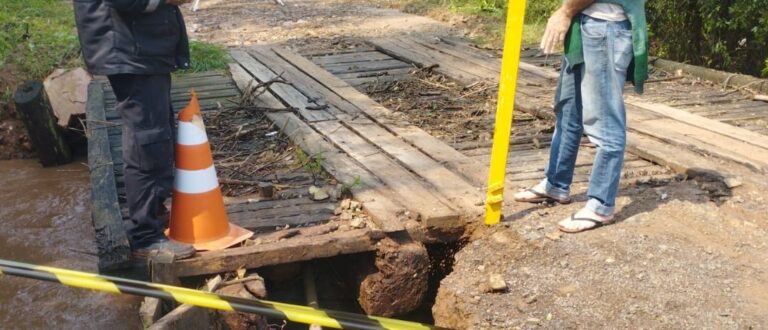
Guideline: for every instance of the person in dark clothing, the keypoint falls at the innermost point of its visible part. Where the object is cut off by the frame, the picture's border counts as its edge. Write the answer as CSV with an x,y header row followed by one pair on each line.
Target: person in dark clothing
x,y
137,44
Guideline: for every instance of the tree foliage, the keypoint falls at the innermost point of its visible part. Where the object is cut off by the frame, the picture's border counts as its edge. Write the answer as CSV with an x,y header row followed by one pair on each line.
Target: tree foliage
x,y
730,35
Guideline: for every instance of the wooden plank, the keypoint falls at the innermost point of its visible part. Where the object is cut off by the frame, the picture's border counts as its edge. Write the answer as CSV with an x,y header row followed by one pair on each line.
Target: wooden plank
x,y
291,215
679,160
113,248
433,210
358,67
336,51
350,58
377,200
290,95
302,82
438,150
743,135
280,252
459,192
374,74
408,53
704,141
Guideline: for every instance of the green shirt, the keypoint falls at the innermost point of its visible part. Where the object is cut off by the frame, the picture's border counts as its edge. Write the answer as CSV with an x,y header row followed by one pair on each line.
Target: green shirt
x,y
638,69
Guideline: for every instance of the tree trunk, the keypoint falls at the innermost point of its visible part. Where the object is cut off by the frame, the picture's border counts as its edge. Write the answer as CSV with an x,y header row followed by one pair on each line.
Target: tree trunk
x,y
36,113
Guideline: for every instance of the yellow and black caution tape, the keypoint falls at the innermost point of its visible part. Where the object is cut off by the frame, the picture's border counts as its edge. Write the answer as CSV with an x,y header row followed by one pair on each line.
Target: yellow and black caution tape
x,y
294,313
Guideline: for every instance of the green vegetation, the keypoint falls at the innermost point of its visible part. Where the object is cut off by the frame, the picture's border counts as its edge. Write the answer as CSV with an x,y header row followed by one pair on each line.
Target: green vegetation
x,y
312,163
207,56
727,35
37,36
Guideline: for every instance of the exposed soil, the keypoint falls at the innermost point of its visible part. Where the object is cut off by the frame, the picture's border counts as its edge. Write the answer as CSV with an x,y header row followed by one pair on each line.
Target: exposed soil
x,y
14,140
684,254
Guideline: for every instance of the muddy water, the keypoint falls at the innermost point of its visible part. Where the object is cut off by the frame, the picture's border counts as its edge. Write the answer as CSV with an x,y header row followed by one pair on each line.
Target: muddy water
x,y
44,219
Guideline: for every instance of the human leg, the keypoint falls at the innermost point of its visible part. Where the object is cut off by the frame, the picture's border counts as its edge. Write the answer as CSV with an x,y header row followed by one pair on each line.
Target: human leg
x,y
143,102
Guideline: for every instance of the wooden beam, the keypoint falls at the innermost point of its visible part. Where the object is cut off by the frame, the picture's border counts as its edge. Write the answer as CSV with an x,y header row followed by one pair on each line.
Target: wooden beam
x,y
112,244
281,252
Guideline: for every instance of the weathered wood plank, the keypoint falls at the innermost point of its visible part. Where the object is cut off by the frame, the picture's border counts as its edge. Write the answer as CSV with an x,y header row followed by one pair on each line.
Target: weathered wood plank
x,y
290,95
438,150
280,252
308,86
704,141
377,200
743,135
459,192
358,67
113,248
349,58
433,210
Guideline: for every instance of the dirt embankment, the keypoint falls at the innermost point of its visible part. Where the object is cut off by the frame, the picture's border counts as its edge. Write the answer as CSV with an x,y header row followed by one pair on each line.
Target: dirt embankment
x,y
14,140
677,260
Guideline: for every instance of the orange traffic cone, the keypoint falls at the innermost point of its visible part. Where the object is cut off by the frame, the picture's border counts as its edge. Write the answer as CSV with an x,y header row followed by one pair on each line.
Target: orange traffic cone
x,y
198,216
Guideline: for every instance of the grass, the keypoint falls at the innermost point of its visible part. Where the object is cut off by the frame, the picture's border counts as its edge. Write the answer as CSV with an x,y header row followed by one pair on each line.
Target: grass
x,y
37,36
206,57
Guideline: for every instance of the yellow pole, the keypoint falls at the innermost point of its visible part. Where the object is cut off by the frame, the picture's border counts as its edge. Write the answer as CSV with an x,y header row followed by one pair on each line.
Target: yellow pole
x,y
504,107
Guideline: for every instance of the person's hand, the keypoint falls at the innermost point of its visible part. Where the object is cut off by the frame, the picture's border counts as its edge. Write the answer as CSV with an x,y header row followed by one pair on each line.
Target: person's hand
x,y
554,35
177,2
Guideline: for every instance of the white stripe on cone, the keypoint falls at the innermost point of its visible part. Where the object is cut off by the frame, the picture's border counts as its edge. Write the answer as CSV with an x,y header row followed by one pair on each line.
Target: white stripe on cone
x,y
195,182
190,134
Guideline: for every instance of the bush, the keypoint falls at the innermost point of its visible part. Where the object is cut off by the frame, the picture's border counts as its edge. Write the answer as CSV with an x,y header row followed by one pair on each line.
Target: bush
x,y
727,35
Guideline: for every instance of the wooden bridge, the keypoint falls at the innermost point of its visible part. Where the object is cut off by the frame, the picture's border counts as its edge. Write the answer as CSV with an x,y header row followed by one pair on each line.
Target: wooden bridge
x,y
409,181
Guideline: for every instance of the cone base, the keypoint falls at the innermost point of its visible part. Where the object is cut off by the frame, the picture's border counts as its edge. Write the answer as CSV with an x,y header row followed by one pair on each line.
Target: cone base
x,y
235,235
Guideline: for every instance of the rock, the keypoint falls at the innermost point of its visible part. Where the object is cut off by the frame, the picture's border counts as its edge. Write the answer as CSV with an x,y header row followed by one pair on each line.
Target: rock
x,y
555,235
345,204
733,182
346,216
497,283
357,223
338,211
67,92
318,194
610,260
355,206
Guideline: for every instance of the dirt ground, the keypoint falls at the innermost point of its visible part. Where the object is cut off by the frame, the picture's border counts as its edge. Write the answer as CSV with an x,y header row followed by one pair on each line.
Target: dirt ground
x,y
678,259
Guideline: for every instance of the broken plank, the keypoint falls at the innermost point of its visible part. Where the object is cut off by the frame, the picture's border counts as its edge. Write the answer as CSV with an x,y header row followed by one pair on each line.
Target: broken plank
x,y
432,209
378,201
438,150
290,95
280,252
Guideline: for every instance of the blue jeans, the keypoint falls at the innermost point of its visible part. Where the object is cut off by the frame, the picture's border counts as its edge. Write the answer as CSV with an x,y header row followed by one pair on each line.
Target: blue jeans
x,y
590,100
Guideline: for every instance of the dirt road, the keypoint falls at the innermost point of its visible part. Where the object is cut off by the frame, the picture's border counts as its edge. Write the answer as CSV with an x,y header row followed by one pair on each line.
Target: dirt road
x,y
677,260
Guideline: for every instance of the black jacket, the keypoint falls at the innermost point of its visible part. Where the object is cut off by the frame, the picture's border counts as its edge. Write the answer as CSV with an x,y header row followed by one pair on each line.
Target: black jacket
x,y
131,36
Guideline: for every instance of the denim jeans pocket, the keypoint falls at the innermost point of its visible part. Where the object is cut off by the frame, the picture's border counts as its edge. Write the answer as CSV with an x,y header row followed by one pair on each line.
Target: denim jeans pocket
x,y
622,49
593,32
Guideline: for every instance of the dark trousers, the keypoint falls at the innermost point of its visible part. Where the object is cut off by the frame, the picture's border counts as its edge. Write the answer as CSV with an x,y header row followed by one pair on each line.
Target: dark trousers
x,y
144,103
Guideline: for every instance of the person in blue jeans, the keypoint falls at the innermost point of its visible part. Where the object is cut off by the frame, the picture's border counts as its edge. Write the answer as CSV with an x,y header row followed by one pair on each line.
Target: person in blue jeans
x,y
589,100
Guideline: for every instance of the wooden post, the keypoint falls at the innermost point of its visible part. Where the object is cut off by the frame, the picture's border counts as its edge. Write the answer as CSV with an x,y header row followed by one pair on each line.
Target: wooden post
x,y
36,113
